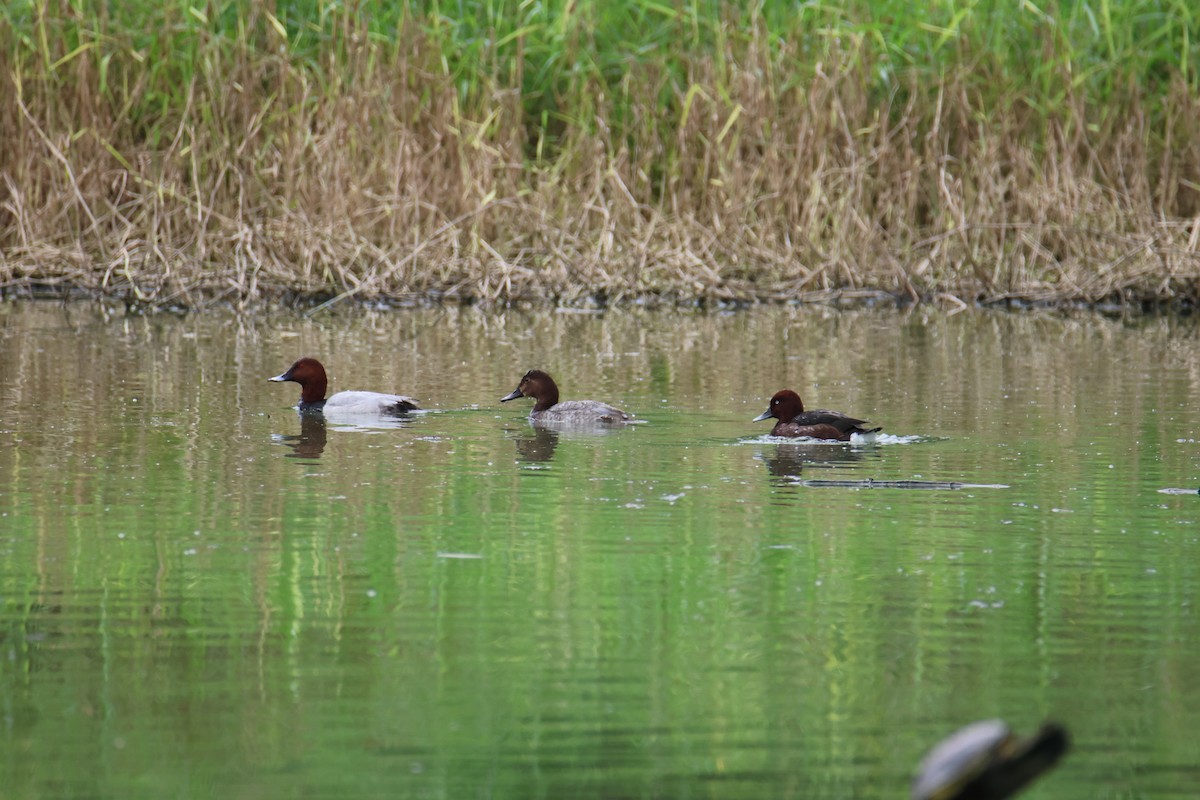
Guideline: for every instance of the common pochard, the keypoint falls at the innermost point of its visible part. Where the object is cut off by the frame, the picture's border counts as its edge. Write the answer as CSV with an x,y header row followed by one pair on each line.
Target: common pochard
x,y
309,373
793,421
542,388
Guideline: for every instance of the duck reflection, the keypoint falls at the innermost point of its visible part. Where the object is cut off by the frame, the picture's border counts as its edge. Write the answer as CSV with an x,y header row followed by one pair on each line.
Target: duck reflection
x,y
537,444
310,442
789,460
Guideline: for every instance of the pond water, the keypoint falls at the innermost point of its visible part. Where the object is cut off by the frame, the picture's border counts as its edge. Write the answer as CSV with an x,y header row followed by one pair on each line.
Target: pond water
x,y
204,595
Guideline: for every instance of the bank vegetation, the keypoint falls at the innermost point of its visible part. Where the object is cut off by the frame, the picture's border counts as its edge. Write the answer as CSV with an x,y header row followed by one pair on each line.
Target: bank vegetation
x,y
188,153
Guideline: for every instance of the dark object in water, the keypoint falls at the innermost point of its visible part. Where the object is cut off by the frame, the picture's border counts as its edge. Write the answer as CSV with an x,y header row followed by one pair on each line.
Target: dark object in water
x,y
871,483
985,761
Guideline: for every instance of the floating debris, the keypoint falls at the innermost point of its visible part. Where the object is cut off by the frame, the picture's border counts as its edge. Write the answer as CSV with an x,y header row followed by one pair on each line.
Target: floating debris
x,y
871,483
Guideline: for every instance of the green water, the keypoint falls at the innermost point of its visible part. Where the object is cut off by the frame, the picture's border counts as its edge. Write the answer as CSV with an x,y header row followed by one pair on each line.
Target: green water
x,y
203,596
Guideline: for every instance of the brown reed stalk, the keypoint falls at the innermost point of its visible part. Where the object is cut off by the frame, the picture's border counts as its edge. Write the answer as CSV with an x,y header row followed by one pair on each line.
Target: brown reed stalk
x,y
263,178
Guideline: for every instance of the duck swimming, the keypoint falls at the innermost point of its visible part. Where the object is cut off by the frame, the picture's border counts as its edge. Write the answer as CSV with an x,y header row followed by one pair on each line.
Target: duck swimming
x,y
310,374
793,421
546,408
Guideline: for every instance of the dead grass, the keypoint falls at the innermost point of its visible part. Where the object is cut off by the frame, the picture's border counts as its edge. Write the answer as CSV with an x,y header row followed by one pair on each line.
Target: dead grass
x,y
263,178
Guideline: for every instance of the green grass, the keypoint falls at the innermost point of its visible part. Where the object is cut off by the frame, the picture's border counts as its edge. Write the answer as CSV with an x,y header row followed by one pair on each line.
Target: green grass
x,y
509,150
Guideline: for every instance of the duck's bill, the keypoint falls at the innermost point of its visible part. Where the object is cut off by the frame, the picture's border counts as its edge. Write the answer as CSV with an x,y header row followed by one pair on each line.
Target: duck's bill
x,y
765,415
513,395
280,378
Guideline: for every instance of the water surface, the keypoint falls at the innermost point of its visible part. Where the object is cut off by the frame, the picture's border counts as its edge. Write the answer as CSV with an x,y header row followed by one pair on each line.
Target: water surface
x,y
204,595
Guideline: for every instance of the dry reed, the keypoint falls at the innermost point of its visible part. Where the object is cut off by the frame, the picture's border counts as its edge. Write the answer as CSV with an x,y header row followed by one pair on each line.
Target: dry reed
x,y
764,173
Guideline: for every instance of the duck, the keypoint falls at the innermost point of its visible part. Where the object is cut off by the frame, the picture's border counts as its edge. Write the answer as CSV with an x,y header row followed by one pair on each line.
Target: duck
x,y
547,409
310,374
793,421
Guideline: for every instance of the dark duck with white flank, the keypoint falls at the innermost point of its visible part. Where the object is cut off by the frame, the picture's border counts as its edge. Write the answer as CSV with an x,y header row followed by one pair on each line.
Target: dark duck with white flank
x,y
794,422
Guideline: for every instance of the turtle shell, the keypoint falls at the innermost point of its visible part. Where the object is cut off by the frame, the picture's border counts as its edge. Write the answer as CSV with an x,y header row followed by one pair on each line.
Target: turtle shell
x,y
959,758
985,761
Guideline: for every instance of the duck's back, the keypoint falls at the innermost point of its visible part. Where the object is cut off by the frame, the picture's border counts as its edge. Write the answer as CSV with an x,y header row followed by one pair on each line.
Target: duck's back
x,y
820,416
370,403
823,424
582,412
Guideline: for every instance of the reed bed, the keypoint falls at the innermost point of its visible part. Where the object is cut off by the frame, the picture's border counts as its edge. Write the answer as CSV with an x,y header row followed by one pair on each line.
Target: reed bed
x,y
600,152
